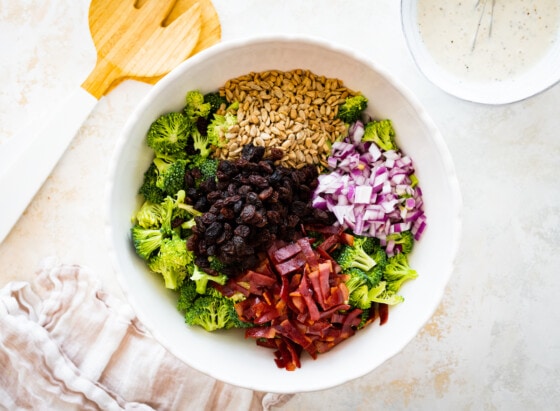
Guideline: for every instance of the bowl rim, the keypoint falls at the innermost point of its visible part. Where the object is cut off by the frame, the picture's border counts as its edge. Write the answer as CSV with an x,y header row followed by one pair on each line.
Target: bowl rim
x,y
455,201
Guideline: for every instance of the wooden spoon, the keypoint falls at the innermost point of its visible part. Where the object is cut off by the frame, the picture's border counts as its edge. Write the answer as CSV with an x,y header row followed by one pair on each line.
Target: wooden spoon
x,y
140,39
133,42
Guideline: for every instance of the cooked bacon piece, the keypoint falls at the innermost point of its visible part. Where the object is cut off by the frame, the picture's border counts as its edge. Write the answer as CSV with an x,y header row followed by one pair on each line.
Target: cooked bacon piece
x,y
308,252
291,265
286,252
383,311
255,282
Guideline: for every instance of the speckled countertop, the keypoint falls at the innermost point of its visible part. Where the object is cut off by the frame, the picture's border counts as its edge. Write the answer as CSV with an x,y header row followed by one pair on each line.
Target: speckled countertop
x,y
494,342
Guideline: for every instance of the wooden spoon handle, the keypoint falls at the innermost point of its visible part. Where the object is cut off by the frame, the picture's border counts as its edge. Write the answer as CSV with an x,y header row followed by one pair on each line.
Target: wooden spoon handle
x,y
101,77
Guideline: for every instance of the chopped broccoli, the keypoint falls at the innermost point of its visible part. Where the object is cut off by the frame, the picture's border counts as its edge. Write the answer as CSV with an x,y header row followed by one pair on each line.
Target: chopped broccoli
x,y
150,215
358,291
352,108
195,106
215,100
209,168
369,244
381,294
146,240
219,126
381,133
171,174
168,134
202,143
201,278
149,189
211,313
397,271
175,208
172,261
187,295
195,307
354,256
379,256
404,241
154,223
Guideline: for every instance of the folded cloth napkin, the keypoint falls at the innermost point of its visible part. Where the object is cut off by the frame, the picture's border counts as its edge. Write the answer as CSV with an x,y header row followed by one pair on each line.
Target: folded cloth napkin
x,y
67,345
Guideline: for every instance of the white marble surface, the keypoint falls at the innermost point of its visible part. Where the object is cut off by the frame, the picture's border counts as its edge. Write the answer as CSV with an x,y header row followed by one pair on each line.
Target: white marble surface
x,y
494,342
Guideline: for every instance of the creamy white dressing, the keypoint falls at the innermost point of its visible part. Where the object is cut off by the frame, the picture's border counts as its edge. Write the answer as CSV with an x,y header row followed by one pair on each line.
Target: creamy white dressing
x,y
521,33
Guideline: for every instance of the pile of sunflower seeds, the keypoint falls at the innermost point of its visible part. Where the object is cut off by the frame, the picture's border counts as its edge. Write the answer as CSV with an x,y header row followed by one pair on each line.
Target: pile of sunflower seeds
x,y
295,111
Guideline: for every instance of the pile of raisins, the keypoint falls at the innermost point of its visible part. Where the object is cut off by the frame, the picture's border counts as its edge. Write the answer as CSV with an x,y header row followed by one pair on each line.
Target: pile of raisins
x,y
249,205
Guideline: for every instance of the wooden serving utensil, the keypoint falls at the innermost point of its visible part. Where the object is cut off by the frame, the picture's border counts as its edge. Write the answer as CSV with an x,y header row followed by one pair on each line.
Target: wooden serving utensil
x,y
134,39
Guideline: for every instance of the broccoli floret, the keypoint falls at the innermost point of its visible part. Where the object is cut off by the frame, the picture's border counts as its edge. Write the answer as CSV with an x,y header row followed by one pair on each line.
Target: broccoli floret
x,y
195,106
146,240
379,256
201,278
375,275
354,256
171,174
380,294
149,189
215,100
187,295
168,134
150,215
219,126
172,261
369,244
352,108
202,143
381,133
209,168
404,241
211,313
175,208
397,271
358,291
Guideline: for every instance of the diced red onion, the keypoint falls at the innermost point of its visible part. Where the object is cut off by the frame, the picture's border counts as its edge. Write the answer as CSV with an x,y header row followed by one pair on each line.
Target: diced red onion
x,y
370,190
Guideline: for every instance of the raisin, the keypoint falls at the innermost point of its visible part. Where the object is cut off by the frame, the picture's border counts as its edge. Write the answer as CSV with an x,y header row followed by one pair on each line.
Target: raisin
x,y
247,213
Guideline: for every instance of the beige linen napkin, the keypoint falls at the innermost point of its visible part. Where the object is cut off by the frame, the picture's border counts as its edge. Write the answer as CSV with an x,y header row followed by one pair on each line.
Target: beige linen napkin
x,y
67,345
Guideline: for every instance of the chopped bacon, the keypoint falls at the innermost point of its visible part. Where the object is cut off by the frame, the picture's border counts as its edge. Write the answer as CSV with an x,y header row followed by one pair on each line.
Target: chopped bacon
x,y
298,301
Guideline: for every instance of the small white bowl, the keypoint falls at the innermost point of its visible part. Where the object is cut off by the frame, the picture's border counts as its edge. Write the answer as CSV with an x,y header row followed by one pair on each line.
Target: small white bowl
x,y
227,356
542,74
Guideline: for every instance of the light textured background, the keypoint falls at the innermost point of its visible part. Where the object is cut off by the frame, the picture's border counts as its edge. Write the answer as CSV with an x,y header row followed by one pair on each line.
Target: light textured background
x,y
494,342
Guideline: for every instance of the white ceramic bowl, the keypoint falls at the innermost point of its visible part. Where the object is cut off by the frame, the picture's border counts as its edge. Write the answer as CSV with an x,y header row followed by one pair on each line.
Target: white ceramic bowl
x,y
227,356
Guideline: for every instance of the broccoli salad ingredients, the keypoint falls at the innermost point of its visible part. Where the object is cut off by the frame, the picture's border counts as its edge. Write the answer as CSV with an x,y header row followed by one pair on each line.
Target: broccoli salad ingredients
x,y
300,252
